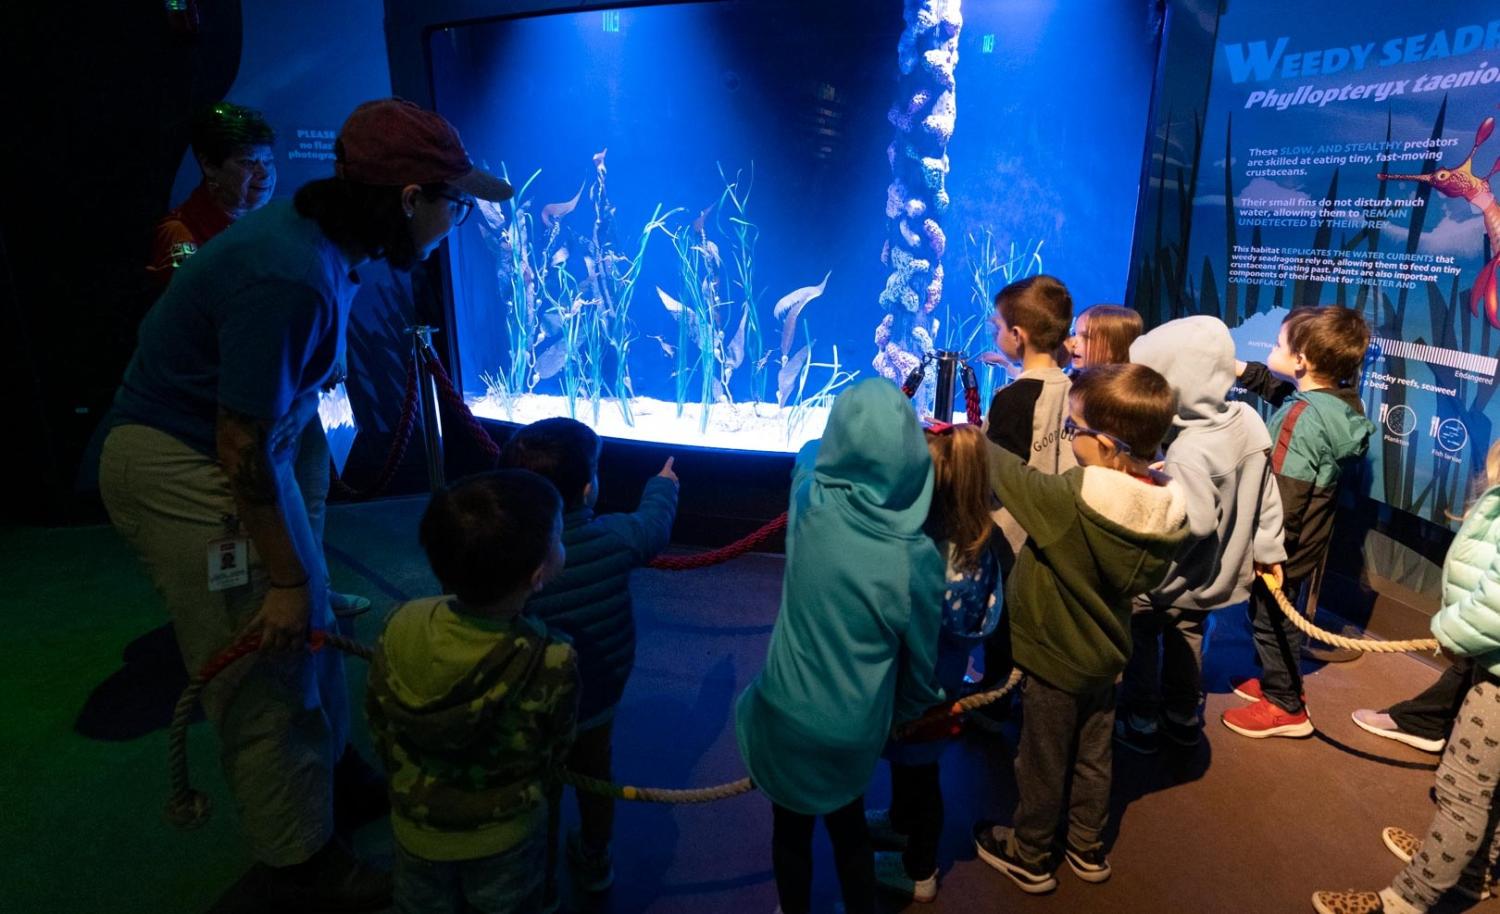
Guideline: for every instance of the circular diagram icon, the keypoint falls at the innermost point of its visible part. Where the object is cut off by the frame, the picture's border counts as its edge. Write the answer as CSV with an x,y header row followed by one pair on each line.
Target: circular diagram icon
x,y
1401,421
1452,435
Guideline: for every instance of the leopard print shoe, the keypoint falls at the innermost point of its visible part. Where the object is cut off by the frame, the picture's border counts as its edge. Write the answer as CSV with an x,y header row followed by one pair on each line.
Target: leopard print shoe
x,y
1401,842
1347,903
1405,845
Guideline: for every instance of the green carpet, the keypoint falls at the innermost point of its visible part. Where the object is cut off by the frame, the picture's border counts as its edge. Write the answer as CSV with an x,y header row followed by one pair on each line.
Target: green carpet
x,y
84,828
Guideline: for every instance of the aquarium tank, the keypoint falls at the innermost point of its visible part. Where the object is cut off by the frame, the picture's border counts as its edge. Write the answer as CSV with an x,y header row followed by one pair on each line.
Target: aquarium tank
x,y
726,212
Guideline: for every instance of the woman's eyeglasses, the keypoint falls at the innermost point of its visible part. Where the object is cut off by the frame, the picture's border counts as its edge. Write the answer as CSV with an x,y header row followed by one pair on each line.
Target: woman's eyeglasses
x,y
1072,430
462,206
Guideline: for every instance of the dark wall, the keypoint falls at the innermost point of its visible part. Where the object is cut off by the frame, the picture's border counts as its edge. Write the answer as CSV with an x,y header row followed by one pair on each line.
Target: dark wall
x,y
96,150
97,101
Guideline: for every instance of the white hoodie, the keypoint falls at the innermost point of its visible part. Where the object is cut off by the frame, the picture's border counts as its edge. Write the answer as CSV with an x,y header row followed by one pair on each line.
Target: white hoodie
x,y
1219,455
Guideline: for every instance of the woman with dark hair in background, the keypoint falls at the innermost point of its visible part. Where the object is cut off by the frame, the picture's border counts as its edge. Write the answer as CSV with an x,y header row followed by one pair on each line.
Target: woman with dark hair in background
x,y
214,412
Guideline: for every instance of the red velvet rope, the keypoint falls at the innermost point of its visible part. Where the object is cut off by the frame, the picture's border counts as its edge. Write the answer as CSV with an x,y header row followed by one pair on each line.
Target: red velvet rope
x,y
724,553
400,439
455,403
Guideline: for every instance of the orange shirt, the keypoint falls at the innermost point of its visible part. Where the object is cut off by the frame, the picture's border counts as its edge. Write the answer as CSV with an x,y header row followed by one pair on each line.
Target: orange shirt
x,y
181,232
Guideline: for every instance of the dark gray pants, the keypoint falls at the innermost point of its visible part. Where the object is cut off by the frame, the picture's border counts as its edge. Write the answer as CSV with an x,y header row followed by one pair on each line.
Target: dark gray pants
x,y
1278,646
1165,672
1062,734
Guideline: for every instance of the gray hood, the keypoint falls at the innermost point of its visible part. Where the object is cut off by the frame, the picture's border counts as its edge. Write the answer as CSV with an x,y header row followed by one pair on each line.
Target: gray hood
x,y
1196,356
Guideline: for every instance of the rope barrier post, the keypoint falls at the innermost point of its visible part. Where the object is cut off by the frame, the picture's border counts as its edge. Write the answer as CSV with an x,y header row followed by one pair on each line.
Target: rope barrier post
x,y
947,382
429,414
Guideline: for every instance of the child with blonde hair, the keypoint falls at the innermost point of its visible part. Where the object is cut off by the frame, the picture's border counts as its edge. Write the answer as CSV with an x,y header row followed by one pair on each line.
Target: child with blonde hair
x,y
1102,336
973,597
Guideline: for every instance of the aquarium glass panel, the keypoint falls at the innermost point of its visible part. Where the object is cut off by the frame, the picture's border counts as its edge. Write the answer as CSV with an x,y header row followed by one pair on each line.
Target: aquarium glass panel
x,y
727,211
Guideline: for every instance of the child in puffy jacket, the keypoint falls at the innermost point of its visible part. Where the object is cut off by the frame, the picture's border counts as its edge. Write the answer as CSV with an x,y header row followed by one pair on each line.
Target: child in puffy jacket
x,y
589,602
1460,845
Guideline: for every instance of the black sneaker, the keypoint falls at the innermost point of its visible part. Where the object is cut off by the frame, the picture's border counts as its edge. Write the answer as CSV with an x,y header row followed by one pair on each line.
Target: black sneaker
x,y
1145,742
1184,736
995,846
1090,866
334,879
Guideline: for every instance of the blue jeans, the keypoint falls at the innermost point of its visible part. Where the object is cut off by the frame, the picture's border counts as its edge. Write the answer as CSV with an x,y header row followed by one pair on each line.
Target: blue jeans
x,y
500,884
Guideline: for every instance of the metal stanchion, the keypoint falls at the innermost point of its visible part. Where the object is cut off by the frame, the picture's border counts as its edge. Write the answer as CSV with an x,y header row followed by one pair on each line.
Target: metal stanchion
x,y
429,413
948,363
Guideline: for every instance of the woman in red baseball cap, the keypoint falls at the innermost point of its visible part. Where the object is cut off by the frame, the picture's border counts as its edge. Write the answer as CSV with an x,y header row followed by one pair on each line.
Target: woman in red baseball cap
x,y
402,181
218,403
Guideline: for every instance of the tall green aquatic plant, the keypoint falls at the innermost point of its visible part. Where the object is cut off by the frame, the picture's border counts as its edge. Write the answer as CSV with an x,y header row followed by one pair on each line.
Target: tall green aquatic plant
x,y
507,229
990,268
742,235
699,316
620,276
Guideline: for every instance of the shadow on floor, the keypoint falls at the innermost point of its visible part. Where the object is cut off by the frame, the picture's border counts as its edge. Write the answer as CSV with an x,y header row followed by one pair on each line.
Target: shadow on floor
x,y
138,698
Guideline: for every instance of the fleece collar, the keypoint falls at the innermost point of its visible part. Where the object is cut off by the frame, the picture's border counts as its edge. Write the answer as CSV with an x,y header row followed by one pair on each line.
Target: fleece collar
x,y
1135,505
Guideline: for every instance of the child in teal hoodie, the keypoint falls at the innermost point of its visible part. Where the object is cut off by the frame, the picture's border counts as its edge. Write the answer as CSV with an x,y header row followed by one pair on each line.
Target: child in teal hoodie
x,y
855,643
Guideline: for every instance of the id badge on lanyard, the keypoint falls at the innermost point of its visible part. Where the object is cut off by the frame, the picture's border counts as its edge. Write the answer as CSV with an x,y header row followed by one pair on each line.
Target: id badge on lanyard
x,y
228,558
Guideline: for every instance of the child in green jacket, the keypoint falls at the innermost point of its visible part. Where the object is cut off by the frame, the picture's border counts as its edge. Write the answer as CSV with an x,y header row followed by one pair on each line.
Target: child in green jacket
x,y
1098,535
472,704
855,642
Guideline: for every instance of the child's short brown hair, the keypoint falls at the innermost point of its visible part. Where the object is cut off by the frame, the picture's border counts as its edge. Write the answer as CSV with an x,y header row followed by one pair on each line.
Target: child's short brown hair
x,y
1129,401
1333,339
1041,306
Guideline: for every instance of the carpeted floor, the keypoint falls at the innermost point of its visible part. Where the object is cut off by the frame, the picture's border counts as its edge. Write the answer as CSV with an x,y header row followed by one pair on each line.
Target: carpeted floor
x,y
1241,826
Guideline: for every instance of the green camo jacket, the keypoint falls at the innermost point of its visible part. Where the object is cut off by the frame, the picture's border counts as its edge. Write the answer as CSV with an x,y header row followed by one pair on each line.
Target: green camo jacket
x,y
470,716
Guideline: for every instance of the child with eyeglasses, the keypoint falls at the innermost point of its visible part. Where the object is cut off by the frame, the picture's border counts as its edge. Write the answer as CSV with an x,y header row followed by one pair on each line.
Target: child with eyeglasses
x,y
1099,535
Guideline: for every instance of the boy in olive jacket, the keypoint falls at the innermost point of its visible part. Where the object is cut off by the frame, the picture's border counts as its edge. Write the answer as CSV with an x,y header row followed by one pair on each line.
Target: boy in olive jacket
x,y
1099,535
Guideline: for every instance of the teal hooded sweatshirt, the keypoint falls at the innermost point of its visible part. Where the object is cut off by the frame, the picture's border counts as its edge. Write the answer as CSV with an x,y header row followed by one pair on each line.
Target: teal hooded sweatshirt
x,y
856,639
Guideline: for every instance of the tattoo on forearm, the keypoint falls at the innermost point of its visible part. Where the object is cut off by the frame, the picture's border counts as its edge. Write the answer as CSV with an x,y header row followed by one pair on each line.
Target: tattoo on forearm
x,y
254,478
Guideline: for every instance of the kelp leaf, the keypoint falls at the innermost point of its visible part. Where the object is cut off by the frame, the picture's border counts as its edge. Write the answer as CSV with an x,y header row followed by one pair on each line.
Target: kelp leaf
x,y
721,393
735,354
552,212
551,361
790,307
786,378
673,306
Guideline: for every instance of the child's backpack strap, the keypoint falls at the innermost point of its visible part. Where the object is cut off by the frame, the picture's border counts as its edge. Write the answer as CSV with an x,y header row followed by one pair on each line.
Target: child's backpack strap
x,y
1284,438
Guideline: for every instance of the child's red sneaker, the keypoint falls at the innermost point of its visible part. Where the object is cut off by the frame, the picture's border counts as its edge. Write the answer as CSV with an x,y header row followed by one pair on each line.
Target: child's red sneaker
x,y
1248,689
1263,719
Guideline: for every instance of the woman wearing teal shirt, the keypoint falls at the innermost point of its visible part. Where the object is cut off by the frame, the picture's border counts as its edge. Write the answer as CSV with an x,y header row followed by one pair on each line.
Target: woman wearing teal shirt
x,y
855,641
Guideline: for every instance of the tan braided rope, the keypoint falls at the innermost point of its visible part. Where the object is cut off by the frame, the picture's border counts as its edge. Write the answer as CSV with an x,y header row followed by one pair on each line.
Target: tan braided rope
x,y
958,708
190,808
1414,646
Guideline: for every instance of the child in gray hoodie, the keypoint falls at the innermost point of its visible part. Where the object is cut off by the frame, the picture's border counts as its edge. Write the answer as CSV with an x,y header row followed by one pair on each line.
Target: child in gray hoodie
x,y
1218,451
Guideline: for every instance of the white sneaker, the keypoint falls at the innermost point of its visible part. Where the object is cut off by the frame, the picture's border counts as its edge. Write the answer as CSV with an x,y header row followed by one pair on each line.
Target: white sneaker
x,y
890,874
1384,726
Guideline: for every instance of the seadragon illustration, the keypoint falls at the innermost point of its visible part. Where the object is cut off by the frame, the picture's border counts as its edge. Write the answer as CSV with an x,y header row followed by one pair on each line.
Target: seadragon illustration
x,y
917,197
1462,182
